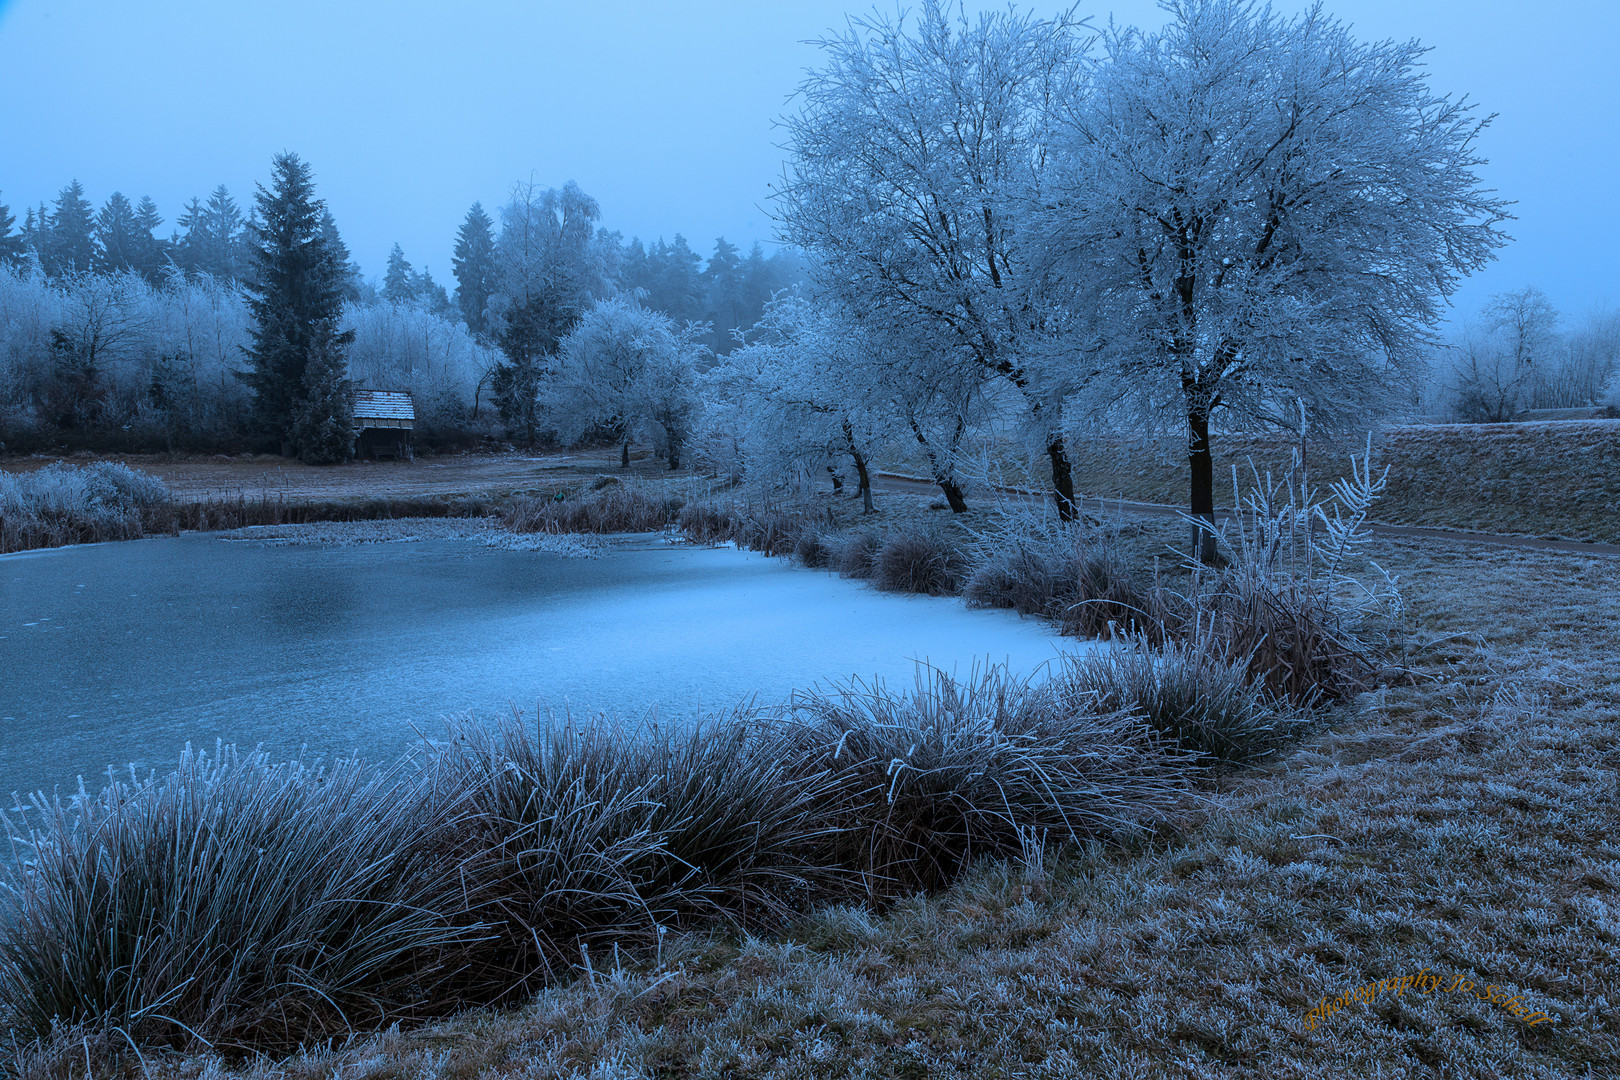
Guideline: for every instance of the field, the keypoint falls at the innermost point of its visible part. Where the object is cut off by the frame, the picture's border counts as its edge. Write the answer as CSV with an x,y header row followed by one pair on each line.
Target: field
x,y
1554,479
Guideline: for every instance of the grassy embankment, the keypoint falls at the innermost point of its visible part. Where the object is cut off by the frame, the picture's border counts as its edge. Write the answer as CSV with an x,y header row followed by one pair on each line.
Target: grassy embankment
x,y
1458,822
242,905
1556,479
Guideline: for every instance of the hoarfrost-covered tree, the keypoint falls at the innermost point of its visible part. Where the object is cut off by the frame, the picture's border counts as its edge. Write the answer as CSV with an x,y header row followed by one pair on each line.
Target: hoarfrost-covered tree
x,y
1257,214
631,371
548,270
916,157
801,401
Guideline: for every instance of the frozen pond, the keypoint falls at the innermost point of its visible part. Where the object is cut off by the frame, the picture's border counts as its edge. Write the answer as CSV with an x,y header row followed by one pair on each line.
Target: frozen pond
x,y
119,653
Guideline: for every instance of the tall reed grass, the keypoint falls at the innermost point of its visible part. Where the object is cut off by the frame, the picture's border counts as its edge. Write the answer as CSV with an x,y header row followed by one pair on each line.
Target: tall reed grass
x,y
613,508
247,905
234,902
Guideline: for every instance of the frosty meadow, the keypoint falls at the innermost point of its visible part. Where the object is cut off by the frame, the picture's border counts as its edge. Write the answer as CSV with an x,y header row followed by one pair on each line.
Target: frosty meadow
x,y
1184,778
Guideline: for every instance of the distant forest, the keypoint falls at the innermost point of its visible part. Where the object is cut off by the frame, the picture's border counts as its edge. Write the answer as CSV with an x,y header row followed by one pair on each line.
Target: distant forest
x,y
116,334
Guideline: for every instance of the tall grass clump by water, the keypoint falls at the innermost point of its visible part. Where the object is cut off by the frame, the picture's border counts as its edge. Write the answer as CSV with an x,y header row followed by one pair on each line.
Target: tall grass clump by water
x,y
988,765
1186,690
68,504
1294,600
614,507
584,834
1070,573
234,902
919,560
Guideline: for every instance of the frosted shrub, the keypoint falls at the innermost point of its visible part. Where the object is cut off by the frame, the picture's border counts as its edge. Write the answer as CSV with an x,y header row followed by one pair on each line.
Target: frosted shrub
x,y
66,504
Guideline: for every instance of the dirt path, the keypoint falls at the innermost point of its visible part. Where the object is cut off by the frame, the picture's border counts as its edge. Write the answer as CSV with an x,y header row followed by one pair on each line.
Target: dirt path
x,y
899,482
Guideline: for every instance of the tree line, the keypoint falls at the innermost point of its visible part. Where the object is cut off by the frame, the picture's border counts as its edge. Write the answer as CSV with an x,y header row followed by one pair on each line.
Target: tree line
x,y
115,337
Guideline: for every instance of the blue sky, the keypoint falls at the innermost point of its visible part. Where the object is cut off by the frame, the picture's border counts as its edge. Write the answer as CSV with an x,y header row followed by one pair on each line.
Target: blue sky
x,y
664,112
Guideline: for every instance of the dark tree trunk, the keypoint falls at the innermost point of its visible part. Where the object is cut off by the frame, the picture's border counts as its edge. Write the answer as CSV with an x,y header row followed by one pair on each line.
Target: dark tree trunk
x,y
953,495
674,455
861,470
1062,478
866,482
624,455
947,482
1201,466
837,481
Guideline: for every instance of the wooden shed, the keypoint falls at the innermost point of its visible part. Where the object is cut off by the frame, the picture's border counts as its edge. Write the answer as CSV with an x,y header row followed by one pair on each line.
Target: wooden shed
x,y
385,419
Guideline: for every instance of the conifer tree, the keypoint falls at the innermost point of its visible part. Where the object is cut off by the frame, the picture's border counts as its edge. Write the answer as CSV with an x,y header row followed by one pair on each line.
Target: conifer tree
x,y
323,429
474,267
69,233
345,270
399,283
11,245
151,251
297,298
115,235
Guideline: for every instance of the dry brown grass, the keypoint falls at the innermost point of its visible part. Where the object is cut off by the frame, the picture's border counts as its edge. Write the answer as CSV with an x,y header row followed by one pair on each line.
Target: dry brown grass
x,y
1460,819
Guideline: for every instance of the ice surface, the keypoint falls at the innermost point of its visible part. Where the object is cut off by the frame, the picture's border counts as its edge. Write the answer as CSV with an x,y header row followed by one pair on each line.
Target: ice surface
x,y
116,653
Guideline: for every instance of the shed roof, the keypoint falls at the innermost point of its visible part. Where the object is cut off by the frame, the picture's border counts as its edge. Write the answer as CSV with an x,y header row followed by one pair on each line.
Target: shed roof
x,y
383,405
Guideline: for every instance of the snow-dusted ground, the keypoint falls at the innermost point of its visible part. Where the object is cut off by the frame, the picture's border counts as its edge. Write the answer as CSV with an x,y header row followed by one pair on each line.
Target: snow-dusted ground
x,y
124,652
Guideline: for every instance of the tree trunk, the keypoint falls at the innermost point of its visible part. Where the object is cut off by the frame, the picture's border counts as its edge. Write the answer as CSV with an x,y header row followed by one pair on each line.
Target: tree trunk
x,y
866,481
624,455
1201,466
1062,478
674,455
837,481
947,483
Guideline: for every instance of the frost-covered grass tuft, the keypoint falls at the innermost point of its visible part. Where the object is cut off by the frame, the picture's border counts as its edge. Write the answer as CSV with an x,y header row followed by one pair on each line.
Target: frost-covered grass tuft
x,y
855,554
919,560
233,901
68,504
587,834
1186,690
929,780
1073,574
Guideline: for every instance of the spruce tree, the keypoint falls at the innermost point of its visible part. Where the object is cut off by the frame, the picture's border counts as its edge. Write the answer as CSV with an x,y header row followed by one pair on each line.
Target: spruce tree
x,y
297,298
152,252
11,245
116,241
190,242
344,270
474,267
70,243
399,283
323,428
